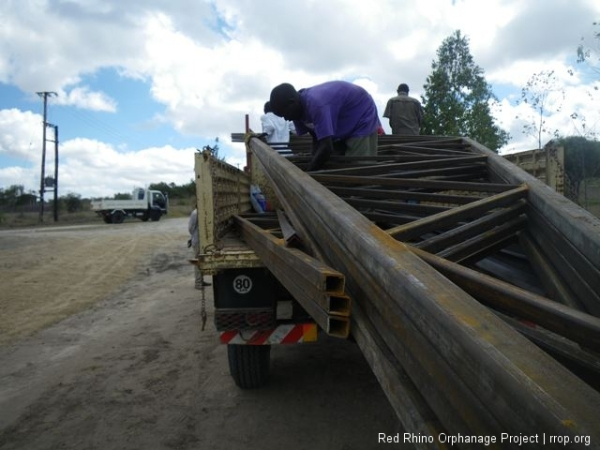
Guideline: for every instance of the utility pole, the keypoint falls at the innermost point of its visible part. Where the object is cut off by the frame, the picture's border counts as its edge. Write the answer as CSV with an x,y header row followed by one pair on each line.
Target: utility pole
x,y
44,95
55,182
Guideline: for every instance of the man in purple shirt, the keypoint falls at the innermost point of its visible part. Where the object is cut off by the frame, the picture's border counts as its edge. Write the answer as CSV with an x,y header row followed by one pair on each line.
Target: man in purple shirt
x,y
341,117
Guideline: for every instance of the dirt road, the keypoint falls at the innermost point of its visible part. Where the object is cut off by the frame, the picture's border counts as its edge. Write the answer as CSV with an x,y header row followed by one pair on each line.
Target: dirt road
x,y
100,348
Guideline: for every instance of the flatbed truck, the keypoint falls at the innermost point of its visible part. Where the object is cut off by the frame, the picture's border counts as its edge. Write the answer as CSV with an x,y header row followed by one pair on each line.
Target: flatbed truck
x,y
472,289
145,204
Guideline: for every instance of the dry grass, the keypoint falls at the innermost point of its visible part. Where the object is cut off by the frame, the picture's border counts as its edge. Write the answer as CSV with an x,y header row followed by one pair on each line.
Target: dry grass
x,y
177,208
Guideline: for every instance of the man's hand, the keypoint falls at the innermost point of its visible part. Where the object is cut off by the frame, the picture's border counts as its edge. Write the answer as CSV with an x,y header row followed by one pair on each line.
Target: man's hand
x,y
323,151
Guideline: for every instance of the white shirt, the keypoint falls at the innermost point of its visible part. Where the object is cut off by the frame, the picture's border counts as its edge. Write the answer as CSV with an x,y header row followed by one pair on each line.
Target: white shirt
x,y
277,129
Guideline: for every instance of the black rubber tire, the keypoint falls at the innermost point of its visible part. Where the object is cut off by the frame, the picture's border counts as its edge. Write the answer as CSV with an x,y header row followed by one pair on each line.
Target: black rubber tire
x,y
249,365
155,215
118,217
107,219
144,217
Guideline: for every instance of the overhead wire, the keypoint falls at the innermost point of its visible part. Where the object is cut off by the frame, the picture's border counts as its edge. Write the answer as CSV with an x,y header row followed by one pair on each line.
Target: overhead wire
x,y
103,127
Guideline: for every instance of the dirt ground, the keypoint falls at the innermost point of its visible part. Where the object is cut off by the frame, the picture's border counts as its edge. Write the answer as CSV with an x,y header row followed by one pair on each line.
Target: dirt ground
x,y
100,348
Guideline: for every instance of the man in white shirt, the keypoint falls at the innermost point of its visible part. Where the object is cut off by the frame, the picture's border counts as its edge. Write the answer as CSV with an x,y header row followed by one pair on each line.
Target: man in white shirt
x,y
277,128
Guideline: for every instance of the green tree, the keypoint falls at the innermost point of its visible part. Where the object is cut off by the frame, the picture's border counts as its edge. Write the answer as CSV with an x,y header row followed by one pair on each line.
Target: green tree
x,y
9,197
544,97
165,188
72,202
457,99
582,162
122,196
175,191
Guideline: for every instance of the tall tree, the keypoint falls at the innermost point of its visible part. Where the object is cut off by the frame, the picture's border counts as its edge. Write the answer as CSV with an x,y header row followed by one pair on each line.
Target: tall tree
x,y
544,97
582,162
457,99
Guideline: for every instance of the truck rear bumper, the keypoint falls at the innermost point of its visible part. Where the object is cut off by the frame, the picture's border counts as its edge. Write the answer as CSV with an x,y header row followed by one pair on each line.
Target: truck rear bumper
x,y
281,334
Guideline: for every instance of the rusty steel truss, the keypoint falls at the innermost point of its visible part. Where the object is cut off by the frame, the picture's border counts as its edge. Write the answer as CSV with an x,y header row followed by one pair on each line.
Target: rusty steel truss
x,y
475,289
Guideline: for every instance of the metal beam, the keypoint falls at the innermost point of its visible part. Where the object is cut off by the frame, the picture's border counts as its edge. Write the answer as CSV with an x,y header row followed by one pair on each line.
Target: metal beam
x,y
412,183
317,287
571,323
471,229
474,370
456,215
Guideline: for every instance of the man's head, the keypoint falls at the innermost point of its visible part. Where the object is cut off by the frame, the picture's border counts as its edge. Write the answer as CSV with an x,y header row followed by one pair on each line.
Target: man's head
x,y
267,108
285,102
403,88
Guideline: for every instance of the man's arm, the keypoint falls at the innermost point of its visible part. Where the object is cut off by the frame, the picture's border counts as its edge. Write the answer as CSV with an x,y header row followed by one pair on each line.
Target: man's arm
x,y
419,113
322,152
387,113
267,125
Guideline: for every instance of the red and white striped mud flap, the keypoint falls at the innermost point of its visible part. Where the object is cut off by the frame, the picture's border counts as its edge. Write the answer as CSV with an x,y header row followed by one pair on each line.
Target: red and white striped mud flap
x,y
282,334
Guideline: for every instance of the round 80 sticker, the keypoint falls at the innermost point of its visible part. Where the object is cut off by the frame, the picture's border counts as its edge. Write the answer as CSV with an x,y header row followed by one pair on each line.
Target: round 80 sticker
x,y
242,284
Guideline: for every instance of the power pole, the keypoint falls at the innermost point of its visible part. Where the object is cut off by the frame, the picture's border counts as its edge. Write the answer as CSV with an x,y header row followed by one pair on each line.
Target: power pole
x,y
44,95
55,181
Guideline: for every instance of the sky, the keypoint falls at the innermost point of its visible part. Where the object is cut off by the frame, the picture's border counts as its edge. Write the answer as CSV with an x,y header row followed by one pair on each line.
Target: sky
x,y
139,85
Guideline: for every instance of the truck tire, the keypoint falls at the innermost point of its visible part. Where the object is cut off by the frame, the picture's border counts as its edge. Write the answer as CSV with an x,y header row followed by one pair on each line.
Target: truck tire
x,y
118,217
155,215
107,219
249,365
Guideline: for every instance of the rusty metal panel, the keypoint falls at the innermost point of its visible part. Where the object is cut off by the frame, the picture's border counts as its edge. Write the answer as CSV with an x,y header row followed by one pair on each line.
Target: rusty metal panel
x,y
222,191
547,164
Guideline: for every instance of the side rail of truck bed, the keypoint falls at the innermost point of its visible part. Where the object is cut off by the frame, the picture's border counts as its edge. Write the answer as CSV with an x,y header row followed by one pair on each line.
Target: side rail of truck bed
x,y
222,191
264,292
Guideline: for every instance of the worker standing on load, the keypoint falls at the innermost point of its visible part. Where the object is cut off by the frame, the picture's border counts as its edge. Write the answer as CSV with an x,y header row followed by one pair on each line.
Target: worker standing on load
x,y
276,128
340,116
405,113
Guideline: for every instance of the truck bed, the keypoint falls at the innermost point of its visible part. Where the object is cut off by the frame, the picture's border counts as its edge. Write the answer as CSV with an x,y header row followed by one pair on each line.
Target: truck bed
x,y
107,205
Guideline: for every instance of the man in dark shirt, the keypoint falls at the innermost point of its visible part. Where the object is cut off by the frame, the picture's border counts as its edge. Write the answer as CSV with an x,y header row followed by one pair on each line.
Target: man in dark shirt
x,y
405,113
341,117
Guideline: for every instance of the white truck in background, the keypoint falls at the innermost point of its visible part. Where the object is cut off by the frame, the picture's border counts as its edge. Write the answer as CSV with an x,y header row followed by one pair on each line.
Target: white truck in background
x,y
145,204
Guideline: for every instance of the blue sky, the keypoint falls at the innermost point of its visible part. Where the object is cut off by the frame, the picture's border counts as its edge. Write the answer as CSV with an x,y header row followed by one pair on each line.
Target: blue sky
x,y
141,84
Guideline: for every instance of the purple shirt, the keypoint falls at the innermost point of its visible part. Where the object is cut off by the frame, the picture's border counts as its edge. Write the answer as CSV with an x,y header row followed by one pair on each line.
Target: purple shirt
x,y
338,109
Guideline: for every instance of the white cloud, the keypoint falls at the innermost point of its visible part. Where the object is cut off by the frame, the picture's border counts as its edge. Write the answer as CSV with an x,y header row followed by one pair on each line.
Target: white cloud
x,y
107,171
82,97
19,131
211,62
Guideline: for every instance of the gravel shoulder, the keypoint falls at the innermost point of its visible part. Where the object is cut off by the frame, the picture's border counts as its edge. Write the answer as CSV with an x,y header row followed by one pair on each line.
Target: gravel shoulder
x,y
100,348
